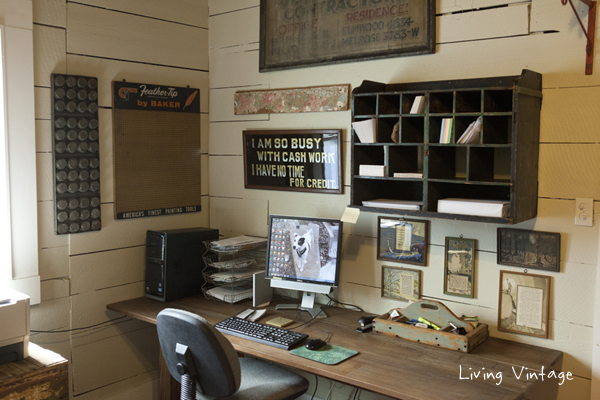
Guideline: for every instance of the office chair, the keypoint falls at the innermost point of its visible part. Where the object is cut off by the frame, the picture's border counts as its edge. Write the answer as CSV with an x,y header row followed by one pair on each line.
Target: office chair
x,y
207,366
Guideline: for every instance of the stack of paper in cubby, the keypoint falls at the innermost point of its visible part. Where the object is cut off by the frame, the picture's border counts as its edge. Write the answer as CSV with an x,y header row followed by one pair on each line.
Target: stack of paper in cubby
x,y
395,204
483,208
414,175
446,130
366,130
418,105
471,134
371,170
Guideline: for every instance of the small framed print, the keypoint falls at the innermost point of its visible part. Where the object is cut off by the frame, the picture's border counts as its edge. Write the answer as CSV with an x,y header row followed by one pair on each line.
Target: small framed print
x,y
529,249
400,283
459,267
524,303
402,240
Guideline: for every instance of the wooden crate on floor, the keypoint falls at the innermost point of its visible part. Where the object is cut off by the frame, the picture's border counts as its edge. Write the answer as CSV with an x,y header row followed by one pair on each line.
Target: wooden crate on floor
x,y
42,375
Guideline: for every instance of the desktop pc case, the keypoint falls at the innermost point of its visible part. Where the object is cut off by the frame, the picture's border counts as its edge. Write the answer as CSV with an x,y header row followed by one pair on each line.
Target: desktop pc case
x,y
174,262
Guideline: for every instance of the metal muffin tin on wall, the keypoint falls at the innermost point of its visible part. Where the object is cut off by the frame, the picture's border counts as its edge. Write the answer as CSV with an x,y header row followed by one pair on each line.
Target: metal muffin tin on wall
x,y
75,154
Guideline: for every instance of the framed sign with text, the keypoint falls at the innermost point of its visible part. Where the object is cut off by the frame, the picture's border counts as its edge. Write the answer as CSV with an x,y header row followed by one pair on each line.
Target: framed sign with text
x,y
301,33
157,160
295,160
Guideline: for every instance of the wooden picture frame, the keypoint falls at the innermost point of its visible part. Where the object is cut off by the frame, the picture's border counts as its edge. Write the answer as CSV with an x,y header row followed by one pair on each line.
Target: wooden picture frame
x,y
301,34
524,303
529,249
402,240
301,160
400,283
459,267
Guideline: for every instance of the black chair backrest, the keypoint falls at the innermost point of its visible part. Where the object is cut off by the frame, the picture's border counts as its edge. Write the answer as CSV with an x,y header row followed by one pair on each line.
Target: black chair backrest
x,y
215,358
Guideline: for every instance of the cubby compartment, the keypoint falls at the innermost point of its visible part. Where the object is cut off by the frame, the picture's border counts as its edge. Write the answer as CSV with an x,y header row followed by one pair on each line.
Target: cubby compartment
x,y
389,104
412,129
441,102
468,101
364,105
366,189
448,190
497,129
497,100
405,159
368,155
489,164
385,127
408,100
447,163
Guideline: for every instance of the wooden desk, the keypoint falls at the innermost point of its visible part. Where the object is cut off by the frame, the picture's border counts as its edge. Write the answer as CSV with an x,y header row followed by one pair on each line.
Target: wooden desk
x,y
390,366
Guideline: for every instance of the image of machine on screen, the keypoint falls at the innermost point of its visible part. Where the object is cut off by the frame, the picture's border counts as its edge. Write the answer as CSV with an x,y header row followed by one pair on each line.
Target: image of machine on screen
x,y
302,255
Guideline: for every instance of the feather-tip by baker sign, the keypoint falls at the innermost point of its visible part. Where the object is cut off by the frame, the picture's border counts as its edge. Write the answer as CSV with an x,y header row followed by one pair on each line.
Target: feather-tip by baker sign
x,y
142,96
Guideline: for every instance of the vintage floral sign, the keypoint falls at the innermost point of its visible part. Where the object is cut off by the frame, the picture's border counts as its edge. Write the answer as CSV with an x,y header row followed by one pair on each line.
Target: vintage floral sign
x,y
293,100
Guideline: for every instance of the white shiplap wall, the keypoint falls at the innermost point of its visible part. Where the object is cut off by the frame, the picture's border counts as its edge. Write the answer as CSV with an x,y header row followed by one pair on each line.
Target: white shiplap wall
x,y
540,35
149,41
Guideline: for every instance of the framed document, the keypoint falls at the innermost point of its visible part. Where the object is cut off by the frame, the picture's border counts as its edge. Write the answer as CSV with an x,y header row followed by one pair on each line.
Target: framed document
x,y
303,33
295,160
402,240
459,267
529,249
400,283
524,303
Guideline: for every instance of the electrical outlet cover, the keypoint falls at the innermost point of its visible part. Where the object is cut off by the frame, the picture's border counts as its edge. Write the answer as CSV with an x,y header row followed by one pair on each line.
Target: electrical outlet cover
x,y
584,212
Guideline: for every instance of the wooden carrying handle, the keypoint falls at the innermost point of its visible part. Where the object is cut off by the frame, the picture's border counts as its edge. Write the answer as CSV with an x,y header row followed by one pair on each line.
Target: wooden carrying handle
x,y
435,312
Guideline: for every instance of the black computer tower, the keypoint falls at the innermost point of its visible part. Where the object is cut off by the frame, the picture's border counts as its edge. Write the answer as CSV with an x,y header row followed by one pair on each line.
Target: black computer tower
x,y
174,262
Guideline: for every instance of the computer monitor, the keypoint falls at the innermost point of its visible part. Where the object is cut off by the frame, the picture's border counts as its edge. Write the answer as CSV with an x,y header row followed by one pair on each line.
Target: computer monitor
x,y
303,254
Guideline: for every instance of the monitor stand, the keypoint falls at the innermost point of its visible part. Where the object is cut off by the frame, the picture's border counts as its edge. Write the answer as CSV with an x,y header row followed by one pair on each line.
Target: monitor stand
x,y
308,304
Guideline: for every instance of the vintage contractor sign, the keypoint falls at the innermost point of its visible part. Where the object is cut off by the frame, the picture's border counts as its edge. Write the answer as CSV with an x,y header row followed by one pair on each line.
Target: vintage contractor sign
x,y
157,150
296,33
298,160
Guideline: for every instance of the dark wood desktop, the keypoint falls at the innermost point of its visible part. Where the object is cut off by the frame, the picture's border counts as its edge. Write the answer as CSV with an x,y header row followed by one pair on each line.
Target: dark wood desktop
x,y
390,366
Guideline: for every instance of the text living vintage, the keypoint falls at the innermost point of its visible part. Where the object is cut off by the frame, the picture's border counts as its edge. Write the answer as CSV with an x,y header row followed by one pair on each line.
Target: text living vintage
x,y
522,373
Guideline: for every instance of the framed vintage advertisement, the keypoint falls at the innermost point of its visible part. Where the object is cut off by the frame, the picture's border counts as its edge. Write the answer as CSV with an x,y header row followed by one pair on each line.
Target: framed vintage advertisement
x,y
529,249
294,160
400,283
524,303
296,34
459,267
402,240
157,159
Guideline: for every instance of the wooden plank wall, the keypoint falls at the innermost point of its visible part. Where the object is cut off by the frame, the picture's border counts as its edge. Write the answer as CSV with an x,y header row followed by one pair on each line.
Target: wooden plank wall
x,y
146,41
476,38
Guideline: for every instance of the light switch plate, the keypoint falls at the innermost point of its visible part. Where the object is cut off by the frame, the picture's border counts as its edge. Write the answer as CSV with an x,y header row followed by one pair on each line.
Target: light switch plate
x,y
584,212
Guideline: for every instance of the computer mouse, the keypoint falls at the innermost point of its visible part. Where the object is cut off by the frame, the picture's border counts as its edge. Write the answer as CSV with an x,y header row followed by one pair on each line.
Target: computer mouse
x,y
315,344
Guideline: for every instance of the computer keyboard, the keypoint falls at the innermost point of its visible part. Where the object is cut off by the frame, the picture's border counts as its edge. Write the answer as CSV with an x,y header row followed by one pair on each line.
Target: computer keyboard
x,y
261,333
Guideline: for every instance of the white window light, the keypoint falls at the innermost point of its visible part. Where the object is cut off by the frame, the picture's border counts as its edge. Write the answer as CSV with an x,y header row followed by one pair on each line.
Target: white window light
x,y
18,203
5,240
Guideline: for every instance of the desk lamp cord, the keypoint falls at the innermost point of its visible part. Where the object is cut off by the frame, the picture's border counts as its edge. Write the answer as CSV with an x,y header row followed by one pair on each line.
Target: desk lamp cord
x,y
84,327
316,386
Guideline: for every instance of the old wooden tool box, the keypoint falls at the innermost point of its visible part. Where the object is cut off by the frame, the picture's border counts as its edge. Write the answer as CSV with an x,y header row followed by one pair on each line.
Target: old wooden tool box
x,y
438,314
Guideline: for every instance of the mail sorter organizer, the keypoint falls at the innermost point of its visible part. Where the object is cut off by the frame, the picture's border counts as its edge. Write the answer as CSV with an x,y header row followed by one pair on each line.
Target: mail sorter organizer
x,y
438,314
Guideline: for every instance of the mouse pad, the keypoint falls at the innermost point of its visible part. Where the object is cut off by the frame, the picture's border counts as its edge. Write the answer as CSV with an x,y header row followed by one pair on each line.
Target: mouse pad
x,y
328,354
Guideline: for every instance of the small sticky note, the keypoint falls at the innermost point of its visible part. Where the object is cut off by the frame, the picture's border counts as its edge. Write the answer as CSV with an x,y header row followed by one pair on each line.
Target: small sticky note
x,y
350,215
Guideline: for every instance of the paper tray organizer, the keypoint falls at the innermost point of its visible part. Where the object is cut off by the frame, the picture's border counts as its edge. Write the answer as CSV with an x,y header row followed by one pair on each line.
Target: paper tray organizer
x,y
438,314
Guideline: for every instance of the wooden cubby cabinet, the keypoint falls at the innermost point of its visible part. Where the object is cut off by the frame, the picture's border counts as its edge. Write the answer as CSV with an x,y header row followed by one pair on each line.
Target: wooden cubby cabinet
x,y
501,165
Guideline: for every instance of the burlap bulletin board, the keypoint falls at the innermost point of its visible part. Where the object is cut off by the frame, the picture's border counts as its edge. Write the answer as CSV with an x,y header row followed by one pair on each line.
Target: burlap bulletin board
x,y
156,132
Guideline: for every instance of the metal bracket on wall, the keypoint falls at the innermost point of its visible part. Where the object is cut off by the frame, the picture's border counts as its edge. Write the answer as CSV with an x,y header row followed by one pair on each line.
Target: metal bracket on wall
x,y
590,34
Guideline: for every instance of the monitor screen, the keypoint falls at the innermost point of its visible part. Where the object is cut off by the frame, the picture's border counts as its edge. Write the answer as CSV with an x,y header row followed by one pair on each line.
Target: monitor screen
x,y
303,249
